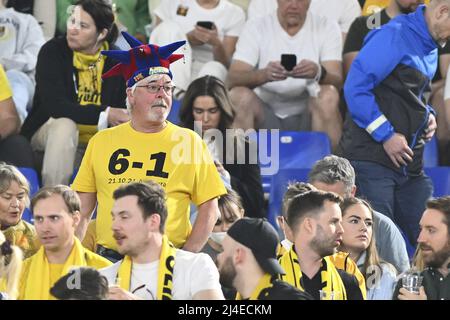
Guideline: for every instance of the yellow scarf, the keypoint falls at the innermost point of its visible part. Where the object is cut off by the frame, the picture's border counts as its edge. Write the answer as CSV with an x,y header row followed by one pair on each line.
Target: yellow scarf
x,y
165,271
342,261
329,274
261,289
38,280
24,236
89,86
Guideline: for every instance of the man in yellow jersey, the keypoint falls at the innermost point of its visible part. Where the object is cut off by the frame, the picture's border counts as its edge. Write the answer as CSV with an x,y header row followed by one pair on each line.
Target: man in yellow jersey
x,y
56,216
314,218
149,148
249,264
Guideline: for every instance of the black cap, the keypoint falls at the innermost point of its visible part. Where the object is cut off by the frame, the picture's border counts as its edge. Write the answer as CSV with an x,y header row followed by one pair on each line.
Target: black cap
x,y
259,236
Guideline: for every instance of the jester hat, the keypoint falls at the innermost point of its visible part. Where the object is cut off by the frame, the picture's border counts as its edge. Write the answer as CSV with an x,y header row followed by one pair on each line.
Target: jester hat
x,y
142,60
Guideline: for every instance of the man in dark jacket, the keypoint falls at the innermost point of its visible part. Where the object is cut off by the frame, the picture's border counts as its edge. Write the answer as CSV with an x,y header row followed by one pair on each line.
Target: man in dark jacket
x,y
389,121
70,95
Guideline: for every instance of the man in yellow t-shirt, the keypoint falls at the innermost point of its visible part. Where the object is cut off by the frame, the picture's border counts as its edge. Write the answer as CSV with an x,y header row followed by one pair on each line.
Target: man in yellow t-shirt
x,y
149,148
56,214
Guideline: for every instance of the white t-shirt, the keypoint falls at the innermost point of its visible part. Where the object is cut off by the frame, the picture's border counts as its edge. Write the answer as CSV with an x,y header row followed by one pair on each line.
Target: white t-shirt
x,y
193,272
264,40
21,38
342,11
228,18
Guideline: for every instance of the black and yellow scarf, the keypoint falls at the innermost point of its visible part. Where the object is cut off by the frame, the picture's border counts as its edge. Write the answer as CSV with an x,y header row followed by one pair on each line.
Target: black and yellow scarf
x,y
330,277
261,289
89,86
165,271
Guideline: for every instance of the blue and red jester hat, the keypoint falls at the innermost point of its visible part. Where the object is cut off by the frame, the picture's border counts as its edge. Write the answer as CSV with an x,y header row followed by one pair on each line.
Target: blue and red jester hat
x,y
142,60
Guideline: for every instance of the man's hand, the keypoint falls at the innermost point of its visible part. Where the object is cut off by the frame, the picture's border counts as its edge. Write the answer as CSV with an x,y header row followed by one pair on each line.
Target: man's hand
x,y
117,116
117,293
200,36
431,128
306,69
222,171
398,150
274,71
407,295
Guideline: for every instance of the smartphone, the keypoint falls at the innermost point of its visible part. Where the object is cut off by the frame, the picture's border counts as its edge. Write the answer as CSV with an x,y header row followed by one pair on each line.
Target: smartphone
x,y
205,24
288,61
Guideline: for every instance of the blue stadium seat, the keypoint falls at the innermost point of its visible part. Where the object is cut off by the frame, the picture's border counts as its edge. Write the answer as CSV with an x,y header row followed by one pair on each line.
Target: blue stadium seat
x,y
33,180
278,187
441,180
431,154
174,112
297,149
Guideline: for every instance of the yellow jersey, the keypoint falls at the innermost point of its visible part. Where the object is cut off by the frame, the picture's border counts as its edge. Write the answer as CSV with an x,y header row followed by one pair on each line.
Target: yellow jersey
x,y
5,89
176,158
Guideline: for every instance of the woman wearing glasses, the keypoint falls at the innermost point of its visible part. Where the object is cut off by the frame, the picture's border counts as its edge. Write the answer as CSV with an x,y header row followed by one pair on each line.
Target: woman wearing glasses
x,y
207,103
72,101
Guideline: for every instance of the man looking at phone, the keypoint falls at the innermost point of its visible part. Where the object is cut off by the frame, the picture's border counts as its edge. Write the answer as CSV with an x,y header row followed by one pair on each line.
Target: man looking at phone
x,y
211,29
268,94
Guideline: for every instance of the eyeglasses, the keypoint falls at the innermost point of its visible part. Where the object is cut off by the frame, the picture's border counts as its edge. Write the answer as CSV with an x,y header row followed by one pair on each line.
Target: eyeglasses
x,y
154,88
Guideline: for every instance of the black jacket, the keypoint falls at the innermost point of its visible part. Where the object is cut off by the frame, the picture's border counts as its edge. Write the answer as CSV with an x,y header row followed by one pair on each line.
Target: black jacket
x,y
55,94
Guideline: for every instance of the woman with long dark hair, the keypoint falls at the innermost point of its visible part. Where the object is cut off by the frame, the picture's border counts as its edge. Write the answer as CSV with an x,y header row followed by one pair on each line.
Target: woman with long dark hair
x,y
207,108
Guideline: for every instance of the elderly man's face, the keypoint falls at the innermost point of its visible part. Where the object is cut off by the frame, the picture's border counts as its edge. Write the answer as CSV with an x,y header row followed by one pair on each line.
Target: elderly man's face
x,y
293,12
149,106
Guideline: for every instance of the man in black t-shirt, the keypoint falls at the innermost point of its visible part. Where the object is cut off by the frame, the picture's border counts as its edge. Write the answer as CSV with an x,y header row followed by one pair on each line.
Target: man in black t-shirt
x,y
248,263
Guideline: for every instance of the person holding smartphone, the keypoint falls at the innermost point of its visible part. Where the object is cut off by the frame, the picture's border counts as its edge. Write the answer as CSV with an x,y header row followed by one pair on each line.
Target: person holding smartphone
x,y
211,28
273,90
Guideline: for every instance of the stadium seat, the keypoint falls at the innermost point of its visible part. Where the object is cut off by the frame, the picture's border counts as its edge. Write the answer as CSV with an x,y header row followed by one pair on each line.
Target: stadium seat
x,y
431,154
278,187
441,180
297,149
33,180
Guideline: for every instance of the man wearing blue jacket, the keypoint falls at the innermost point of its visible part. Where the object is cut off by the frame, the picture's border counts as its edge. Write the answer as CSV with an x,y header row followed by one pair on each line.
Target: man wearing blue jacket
x,y
389,120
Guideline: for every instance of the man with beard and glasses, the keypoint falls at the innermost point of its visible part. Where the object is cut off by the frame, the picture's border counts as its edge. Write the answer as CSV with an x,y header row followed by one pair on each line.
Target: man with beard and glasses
x,y
153,269
434,244
149,148
314,220
248,263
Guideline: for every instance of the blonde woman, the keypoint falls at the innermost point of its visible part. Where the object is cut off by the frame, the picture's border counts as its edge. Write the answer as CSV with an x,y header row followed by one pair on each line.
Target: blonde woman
x,y
14,198
10,268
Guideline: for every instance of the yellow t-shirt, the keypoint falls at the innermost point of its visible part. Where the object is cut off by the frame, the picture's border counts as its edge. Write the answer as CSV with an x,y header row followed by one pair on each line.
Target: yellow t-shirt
x,y
90,68
93,260
372,6
5,89
122,155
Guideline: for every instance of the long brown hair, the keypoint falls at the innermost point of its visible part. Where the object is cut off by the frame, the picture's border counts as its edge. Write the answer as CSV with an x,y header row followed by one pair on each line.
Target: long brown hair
x,y
214,88
372,257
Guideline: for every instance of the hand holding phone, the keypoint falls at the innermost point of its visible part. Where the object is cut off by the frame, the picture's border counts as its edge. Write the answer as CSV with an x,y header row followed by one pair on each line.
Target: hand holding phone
x,y
288,61
205,24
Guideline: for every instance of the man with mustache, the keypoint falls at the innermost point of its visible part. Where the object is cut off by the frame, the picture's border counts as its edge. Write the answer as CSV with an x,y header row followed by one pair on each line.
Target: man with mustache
x,y
149,148
434,244
314,221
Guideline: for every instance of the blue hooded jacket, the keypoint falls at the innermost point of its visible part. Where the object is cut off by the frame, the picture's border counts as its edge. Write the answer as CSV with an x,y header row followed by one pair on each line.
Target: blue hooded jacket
x,y
387,90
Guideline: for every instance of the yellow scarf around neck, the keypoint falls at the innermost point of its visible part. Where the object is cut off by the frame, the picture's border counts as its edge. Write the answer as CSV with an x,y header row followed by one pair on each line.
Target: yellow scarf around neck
x,y
264,283
38,281
89,85
329,276
165,271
